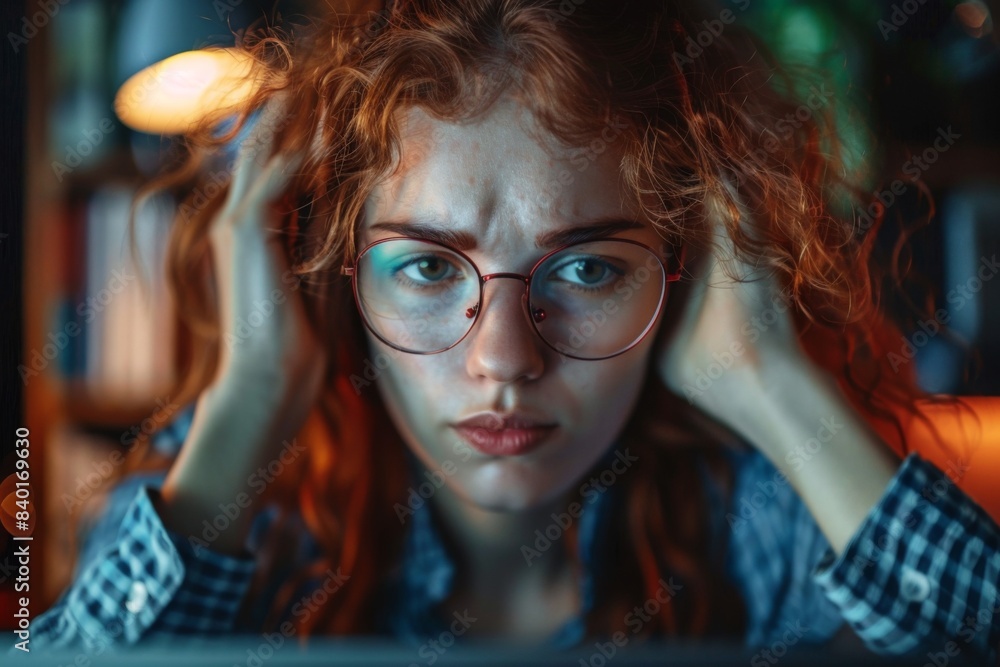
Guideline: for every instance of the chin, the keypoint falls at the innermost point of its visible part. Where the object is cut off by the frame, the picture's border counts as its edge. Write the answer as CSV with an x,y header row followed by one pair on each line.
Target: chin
x,y
498,486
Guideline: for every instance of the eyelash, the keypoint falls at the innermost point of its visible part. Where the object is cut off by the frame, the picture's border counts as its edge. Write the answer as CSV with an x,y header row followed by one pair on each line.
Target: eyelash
x,y
592,289
407,282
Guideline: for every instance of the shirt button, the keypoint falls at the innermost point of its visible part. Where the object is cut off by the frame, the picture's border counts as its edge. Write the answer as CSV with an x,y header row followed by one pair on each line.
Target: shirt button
x,y
914,585
137,596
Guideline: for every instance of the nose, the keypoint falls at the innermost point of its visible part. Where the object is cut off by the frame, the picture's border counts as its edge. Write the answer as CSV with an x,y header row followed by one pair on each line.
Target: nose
x,y
503,345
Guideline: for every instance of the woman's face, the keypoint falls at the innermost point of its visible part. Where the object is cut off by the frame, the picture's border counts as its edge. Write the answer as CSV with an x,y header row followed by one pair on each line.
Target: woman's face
x,y
494,183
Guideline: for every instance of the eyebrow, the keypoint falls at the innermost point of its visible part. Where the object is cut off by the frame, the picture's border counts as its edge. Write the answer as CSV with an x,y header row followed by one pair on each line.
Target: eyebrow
x,y
464,241
417,230
589,231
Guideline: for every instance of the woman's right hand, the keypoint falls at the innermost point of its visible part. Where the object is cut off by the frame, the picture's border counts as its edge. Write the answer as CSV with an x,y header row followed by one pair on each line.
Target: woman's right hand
x,y
271,365
265,334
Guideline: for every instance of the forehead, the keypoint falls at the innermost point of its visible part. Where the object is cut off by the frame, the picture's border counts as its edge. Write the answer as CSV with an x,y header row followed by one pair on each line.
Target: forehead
x,y
500,177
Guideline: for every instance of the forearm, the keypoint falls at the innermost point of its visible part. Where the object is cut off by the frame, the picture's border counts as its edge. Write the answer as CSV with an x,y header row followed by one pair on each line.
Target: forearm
x,y
803,424
234,428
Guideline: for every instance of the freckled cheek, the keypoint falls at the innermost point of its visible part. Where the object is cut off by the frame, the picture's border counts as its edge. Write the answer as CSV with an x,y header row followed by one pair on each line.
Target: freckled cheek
x,y
604,394
614,374
419,388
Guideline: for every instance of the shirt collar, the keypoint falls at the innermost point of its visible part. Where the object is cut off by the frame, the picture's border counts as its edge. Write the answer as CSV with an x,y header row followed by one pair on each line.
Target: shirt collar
x,y
427,571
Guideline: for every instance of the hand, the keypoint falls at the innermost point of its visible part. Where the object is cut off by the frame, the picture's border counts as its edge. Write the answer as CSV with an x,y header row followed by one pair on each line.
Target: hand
x,y
730,346
723,326
265,331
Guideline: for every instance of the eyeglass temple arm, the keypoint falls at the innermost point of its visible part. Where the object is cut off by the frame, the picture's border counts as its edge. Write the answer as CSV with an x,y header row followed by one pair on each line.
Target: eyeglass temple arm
x,y
674,277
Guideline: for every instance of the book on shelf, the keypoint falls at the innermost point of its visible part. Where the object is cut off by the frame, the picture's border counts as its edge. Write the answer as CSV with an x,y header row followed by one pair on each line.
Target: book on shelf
x,y
123,350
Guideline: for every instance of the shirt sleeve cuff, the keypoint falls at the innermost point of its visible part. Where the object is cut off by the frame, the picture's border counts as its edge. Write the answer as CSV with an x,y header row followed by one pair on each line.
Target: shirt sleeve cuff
x,y
921,572
153,579
213,587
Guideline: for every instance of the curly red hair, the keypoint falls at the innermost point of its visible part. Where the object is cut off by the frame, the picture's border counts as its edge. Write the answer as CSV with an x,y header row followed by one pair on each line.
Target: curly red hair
x,y
698,128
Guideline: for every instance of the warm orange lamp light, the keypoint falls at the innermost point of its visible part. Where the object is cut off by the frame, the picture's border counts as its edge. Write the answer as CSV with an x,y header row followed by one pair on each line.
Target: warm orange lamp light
x,y
173,95
970,455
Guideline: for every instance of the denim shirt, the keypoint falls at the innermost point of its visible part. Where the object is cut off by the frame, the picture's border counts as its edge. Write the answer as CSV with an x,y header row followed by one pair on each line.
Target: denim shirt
x,y
922,570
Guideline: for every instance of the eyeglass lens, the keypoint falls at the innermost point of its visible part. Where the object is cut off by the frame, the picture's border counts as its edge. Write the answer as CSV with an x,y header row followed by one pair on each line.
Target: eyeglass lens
x,y
590,300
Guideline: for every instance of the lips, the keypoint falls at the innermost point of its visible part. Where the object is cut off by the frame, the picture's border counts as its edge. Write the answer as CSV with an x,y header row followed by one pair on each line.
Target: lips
x,y
494,434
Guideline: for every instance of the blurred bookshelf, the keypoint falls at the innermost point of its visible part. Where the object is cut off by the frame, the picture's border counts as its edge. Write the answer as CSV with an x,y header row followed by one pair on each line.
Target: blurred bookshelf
x,y
100,329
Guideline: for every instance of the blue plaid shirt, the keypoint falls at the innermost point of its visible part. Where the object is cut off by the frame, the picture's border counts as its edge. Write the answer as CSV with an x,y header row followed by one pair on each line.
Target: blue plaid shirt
x,y
921,573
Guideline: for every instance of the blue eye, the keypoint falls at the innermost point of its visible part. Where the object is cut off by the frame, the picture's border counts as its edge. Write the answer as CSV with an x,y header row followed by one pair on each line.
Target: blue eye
x,y
585,272
427,268
426,271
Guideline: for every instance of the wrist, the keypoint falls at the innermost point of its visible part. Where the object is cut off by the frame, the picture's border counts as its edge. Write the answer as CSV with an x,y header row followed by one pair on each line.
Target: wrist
x,y
833,459
785,402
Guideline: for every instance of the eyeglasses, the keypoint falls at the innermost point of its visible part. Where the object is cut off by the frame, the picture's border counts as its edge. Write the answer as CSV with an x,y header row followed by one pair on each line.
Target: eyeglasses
x,y
591,300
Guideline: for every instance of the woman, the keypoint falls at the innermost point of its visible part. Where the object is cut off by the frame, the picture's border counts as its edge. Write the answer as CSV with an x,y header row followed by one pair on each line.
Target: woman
x,y
520,320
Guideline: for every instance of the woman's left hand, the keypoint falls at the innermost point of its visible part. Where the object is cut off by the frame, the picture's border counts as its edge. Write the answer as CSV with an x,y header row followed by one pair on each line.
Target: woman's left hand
x,y
729,325
730,346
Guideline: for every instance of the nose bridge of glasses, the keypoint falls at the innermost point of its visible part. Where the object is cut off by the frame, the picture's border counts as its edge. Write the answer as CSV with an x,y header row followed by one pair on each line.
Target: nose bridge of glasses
x,y
514,276
523,292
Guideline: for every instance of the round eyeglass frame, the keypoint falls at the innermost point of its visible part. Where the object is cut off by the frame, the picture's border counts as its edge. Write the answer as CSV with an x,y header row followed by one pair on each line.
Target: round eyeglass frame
x,y
353,270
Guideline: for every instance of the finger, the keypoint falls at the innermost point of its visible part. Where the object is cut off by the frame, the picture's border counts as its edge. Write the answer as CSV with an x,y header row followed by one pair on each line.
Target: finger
x,y
277,174
727,266
255,151
254,211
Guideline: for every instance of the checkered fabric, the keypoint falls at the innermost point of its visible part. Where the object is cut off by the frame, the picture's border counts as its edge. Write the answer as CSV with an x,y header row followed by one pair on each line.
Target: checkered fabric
x,y
920,575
